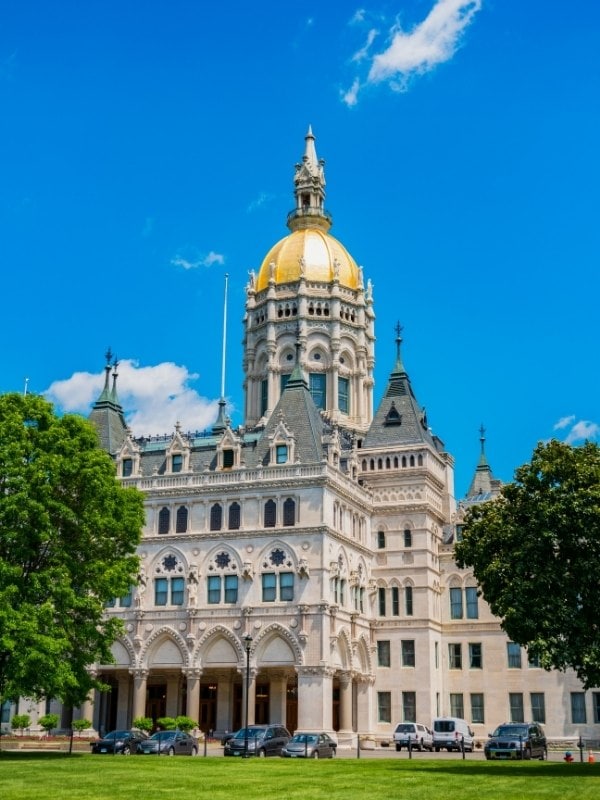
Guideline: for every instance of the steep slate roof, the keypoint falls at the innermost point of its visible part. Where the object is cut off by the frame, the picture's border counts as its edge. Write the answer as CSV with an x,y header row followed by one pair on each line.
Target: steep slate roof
x,y
484,485
399,418
297,411
107,413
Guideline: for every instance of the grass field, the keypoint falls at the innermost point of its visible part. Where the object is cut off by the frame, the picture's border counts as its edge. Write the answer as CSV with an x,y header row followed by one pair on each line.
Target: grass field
x,y
85,777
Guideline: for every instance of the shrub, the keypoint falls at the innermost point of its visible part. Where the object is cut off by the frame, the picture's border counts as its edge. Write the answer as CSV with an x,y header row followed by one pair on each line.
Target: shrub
x,y
48,722
20,722
143,724
185,723
166,723
81,725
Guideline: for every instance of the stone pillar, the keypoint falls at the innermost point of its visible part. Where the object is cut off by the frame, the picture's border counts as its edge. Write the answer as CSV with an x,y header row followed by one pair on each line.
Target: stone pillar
x,y
224,703
345,680
140,679
172,699
365,705
278,704
193,694
86,709
315,698
251,696
123,701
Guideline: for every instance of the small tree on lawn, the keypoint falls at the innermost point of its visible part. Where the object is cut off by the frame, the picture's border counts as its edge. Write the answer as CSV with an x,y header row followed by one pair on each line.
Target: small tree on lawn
x,y
166,723
143,724
48,722
20,721
80,725
185,724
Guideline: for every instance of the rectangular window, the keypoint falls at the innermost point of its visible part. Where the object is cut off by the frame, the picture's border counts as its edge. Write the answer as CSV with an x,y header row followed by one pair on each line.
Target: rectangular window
x,y
477,709
381,601
538,707
533,662
456,604
127,467
344,395
177,591
596,701
408,601
161,591
384,706
269,587
231,588
459,533
176,462
281,453
455,656
457,706
318,389
409,706
214,589
515,701
283,381
408,652
228,459
264,397
286,586
125,601
475,655
342,592
380,539
407,538
513,651
395,601
383,654
472,602
578,713
436,651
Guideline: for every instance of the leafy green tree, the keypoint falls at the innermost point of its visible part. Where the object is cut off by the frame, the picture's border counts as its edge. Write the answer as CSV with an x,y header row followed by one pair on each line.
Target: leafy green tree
x,y
185,723
48,722
20,721
166,723
81,725
143,724
535,552
68,534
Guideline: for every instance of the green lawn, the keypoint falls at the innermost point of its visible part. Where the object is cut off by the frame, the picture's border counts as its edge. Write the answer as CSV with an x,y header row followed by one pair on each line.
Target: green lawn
x,y
86,777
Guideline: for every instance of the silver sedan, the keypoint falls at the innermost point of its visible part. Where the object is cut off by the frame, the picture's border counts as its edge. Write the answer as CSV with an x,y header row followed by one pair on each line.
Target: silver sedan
x,y
310,745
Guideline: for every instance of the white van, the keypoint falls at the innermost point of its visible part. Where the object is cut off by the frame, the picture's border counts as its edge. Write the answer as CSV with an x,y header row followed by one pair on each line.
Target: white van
x,y
451,733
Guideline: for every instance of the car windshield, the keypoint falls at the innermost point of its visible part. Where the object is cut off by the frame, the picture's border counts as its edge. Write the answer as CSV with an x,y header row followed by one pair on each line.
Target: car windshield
x,y
253,733
163,735
116,735
510,730
304,738
404,728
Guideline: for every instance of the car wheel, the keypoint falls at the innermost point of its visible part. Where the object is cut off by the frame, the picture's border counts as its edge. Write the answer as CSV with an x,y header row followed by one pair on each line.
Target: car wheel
x,y
262,753
543,755
126,751
398,748
194,751
315,754
171,751
333,752
437,749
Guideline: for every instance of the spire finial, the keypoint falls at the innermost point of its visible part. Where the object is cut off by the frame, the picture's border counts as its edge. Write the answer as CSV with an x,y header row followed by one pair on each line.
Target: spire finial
x,y
482,458
398,330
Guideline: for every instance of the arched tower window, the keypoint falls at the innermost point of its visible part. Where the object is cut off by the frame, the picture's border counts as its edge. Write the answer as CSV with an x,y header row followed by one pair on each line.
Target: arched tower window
x,y
234,517
164,520
289,512
181,520
216,517
270,516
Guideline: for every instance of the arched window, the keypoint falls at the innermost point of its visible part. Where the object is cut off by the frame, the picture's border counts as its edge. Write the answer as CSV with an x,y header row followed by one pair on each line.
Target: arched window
x,y
379,463
420,460
234,517
216,517
395,462
164,520
289,512
372,463
380,539
388,463
407,538
270,514
364,465
403,461
181,520
412,461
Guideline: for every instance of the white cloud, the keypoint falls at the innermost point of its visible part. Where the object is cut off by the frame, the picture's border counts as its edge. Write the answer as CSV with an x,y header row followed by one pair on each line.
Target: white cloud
x,y
433,41
262,198
361,54
582,430
351,96
193,262
564,422
358,16
154,398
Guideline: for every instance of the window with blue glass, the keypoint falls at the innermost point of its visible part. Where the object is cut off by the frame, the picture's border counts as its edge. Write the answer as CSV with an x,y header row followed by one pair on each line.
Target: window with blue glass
x,y
344,395
283,381
408,601
213,589
177,591
471,603
456,604
269,587
286,586
231,588
281,453
176,462
127,467
161,591
317,383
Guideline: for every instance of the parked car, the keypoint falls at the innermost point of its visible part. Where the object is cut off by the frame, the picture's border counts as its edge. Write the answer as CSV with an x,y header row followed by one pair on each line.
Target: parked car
x,y
419,736
517,740
263,740
122,742
452,733
171,743
310,745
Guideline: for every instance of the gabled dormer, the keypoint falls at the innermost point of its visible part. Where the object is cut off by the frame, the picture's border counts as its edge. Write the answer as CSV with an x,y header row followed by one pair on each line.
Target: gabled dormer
x,y
128,458
282,443
177,455
229,450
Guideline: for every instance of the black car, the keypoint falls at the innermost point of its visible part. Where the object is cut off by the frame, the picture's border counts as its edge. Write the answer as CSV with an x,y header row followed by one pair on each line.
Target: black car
x,y
514,740
262,740
119,742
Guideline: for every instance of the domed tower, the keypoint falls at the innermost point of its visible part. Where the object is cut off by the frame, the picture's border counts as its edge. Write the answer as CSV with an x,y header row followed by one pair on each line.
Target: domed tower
x,y
310,288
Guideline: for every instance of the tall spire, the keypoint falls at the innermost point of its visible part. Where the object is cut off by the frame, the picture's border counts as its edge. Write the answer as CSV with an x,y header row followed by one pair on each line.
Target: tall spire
x,y
309,190
107,412
483,485
482,458
399,368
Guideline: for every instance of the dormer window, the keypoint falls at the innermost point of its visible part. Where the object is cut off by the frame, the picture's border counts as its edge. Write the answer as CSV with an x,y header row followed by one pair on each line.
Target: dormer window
x,y
228,459
127,467
281,453
176,462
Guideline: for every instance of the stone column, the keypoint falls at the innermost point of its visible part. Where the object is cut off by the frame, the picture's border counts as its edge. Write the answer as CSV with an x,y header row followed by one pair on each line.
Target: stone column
x,y
86,709
278,698
140,679
251,696
123,700
172,700
193,694
345,679
315,698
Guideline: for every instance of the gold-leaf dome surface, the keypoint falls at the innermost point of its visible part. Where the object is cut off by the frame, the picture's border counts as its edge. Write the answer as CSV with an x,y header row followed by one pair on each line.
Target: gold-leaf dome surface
x,y
319,250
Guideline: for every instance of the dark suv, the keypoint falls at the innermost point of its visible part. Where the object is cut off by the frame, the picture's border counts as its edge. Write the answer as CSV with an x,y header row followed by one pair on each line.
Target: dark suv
x,y
263,740
517,740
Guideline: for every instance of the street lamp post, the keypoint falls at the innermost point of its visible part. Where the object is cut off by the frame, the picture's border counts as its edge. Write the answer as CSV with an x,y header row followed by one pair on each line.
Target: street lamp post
x,y
248,640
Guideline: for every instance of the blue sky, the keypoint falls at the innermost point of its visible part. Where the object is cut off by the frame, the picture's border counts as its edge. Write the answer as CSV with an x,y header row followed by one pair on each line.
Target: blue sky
x,y
147,148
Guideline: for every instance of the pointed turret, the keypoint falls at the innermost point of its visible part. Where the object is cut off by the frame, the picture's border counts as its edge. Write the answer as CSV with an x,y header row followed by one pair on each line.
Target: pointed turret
x,y
484,485
107,412
399,418
309,190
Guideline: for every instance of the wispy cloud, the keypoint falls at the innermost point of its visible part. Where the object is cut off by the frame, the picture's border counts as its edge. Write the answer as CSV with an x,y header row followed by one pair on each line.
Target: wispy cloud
x,y
259,201
582,431
193,262
154,398
414,52
564,422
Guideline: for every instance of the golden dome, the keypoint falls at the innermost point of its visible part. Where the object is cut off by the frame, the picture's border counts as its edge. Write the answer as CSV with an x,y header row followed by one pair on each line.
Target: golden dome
x,y
322,254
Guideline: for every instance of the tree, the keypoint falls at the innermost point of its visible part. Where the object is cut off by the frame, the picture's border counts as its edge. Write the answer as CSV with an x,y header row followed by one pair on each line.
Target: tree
x,y
68,535
186,724
48,722
81,725
143,724
535,550
20,721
